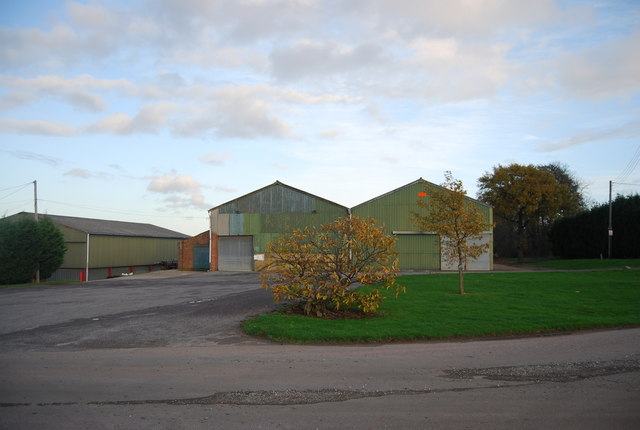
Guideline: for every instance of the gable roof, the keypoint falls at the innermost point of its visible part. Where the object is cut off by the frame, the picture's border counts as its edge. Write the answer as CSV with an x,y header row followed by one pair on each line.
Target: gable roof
x,y
278,183
104,227
417,181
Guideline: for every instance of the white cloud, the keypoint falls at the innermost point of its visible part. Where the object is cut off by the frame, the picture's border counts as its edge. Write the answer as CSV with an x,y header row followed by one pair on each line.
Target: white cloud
x,y
629,130
247,118
171,183
309,59
215,159
46,128
608,70
86,174
79,91
149,119
457,18
183,190
27,155
330,134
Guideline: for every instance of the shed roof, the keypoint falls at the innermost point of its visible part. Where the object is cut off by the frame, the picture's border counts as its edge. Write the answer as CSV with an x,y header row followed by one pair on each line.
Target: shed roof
x,y
278,183
417,181
103,227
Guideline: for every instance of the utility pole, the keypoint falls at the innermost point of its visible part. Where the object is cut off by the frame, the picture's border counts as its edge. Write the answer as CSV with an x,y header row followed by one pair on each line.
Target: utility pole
x,y
35,199
610,230
35,215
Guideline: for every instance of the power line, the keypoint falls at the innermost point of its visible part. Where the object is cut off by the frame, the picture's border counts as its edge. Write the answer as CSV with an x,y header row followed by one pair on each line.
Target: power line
x,y
631,166
17,186
21,187
127,212
626,183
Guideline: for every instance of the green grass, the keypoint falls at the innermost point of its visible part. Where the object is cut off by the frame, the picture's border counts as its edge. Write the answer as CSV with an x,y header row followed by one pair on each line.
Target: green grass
x,y
32,284
497,304
614,263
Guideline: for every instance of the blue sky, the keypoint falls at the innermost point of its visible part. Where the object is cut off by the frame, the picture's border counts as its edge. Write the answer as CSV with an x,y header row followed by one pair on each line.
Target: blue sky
x,y
156,111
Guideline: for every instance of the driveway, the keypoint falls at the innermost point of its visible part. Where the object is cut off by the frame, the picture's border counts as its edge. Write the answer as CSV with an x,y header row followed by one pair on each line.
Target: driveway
x,y
167,353
166,308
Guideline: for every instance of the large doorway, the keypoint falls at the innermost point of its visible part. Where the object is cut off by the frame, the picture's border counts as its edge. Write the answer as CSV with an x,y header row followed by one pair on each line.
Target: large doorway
x,y
235,253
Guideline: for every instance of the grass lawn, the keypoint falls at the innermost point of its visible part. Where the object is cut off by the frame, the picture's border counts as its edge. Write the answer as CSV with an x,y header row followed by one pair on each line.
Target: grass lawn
x,y
497,304
614,263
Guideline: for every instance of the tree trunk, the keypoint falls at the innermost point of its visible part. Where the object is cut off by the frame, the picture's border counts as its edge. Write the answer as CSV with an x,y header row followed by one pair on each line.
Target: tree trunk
x,y
461,278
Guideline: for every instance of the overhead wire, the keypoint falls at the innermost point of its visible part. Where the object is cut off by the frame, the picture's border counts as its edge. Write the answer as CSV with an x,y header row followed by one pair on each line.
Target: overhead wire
x,y
630,167
125,212
20,188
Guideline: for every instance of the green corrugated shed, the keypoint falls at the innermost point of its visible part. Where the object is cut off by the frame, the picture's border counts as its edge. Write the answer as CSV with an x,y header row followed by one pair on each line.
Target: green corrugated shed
x,y
392,210
270,211
114,246
258,218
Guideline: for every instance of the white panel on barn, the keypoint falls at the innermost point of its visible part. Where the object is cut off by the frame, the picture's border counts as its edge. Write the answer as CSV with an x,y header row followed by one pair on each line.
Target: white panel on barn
x,y
481,263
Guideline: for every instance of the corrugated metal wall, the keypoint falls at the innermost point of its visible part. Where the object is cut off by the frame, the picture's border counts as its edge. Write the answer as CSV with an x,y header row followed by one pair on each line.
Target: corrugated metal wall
x,y
106,251
271,211
418,252
112,251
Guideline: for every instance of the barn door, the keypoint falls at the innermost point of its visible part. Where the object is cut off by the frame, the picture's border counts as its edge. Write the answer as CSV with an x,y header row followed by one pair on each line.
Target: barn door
x,y
235,253
200,258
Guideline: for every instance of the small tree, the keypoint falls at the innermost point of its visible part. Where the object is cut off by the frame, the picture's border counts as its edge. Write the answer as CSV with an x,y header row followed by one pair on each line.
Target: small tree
x,y
19,249
25,246
318,267
456,220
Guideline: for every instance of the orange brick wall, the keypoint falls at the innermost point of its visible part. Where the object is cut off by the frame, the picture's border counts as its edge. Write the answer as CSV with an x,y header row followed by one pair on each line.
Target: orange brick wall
x,y
185,250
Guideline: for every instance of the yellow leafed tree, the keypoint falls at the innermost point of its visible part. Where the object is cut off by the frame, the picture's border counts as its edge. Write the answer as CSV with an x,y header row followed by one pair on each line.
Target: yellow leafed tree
x,y
457,221
318,267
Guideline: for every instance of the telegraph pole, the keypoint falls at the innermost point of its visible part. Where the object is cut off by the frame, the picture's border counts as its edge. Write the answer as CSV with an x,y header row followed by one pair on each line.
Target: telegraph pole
x,y
610,230
35,199
35,215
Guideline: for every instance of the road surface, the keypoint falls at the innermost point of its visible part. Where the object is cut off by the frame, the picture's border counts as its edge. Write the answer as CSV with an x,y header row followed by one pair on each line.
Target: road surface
x,y
155,352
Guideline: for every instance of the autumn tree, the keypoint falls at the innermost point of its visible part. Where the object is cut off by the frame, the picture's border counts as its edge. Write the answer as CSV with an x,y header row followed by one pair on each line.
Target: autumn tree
x,y
317,267
457,220
525,198
576,201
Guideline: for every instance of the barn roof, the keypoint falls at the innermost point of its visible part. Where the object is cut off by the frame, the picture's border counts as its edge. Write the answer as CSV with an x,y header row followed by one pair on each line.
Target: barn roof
x,y
417,181
105,227
279,184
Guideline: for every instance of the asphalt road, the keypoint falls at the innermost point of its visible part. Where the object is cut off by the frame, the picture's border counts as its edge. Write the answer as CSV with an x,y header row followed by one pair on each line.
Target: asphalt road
x,y
155,352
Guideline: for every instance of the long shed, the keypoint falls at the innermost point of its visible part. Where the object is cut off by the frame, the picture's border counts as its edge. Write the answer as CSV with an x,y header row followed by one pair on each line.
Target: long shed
x,y
99,249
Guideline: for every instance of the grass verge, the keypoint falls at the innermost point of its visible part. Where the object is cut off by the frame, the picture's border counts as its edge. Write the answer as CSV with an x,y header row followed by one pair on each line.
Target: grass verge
x,y
585,264
497,304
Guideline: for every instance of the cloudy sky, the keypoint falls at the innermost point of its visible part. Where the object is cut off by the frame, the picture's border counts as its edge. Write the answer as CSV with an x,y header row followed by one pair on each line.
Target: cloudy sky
x,y
156,111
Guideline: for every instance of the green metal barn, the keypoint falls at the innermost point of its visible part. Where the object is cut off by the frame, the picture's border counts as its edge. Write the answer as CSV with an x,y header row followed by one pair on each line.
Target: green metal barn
x,y
242,228
418,250
99,249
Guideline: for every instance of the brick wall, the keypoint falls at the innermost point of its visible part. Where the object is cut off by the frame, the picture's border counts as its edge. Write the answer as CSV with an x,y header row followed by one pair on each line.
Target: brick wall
x,y
185,250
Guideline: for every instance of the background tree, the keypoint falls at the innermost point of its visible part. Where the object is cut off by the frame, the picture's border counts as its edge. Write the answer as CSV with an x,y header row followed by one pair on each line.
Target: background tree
x,y
526,200
585,235
563,175
52,247
457,221
26,244
317,267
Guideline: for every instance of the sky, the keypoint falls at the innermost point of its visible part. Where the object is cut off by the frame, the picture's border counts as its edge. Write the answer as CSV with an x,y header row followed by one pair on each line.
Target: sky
x,y
156,111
